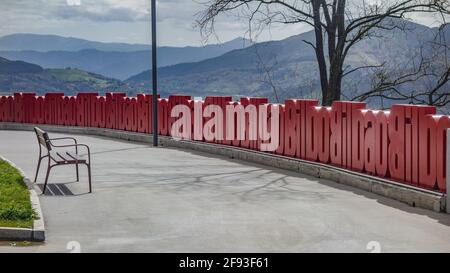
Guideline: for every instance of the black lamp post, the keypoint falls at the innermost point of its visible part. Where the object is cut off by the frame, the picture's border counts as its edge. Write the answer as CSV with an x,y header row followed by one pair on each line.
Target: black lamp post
x,y
154,76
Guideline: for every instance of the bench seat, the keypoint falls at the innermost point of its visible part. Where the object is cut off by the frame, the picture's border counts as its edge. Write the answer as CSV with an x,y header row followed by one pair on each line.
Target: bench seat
x,y
67,157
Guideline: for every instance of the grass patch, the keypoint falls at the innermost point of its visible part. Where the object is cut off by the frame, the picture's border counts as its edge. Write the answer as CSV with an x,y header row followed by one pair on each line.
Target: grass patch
x,y
15,204
76,75
70,75
16,224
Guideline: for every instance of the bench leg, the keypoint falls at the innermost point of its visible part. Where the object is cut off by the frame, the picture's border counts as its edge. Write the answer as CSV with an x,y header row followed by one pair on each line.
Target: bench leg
x,y
37,170
89,175
46,179
78,176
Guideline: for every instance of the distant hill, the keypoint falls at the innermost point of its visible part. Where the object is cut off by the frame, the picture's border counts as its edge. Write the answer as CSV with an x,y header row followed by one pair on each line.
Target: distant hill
x,y
21,76
119,61
45,43
113,64
289,64
12,67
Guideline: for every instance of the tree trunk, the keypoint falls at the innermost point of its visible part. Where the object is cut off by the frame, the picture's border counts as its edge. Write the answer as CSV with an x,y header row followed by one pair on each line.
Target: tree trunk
x,y
335,49
333,93
319,49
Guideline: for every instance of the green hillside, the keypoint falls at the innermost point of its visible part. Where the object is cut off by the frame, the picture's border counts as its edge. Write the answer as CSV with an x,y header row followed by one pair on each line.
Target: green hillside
x,y
70,76
21,76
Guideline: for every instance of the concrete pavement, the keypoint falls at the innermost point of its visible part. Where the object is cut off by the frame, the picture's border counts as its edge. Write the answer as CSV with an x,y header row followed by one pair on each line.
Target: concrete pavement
x,y
149,199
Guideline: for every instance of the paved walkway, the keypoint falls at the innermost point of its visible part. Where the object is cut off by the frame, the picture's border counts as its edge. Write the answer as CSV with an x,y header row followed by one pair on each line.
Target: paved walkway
x,y
149,199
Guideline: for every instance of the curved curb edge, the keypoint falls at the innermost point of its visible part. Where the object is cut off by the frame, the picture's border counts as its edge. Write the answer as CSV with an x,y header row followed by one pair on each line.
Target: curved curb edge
x,y
37,233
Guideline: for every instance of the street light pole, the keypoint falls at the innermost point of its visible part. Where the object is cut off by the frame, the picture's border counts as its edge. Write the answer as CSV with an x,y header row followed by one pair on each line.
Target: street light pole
x,y
154,76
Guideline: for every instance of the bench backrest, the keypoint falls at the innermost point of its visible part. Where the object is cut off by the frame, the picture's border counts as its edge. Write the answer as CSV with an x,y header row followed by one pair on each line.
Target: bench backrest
x,y
43,138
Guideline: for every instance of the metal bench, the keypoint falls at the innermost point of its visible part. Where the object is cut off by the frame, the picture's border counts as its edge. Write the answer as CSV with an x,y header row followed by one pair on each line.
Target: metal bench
x,y
58,155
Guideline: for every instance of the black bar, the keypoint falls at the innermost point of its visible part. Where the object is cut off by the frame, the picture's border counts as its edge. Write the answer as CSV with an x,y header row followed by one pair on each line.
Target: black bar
x,y
154,76
264,263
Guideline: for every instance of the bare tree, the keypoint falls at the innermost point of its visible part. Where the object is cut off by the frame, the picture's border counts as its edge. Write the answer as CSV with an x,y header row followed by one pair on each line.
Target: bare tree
x,y
338,25
433,69
268,73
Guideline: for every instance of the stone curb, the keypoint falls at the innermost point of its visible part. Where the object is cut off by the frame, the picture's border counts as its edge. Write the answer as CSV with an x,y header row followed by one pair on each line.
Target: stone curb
x,y
37,233
404,193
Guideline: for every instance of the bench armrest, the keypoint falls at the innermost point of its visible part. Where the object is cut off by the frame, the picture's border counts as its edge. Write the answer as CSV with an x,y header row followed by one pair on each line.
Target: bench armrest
x,y
76,147
64,138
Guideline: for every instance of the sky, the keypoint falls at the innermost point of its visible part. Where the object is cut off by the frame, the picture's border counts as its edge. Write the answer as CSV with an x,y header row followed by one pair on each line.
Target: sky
x,y
128,21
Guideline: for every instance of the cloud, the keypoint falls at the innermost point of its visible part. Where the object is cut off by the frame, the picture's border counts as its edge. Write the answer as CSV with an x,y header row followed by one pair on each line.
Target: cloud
x,y
102,10
94,10
126,21
112,14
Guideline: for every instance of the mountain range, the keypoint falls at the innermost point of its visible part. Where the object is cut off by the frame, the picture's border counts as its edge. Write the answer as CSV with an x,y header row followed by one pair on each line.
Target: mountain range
x,y
288,68
45,43
113,60
275,69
